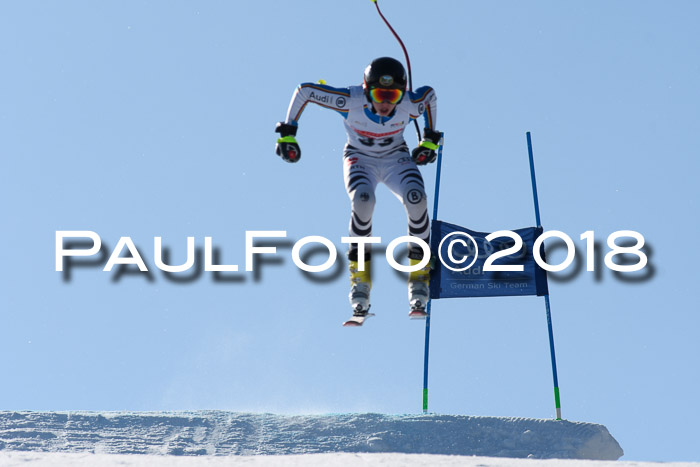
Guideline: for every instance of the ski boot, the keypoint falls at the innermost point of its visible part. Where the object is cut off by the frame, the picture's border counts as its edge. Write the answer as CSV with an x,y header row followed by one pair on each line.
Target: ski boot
x,y
360,286
418,290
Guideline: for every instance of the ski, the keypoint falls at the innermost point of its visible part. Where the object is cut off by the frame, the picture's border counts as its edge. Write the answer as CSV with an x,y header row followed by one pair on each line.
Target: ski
x,y
357,320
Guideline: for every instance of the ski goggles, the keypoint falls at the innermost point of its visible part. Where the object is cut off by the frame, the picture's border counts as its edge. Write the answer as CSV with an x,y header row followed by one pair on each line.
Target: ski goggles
x,y
392,96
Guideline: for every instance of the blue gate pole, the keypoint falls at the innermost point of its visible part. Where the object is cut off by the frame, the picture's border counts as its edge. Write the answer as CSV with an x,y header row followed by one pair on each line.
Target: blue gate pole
x,y
557,401
428,306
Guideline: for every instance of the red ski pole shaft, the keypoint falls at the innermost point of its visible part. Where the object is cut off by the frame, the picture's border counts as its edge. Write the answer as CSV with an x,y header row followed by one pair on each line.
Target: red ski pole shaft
x,y
405,53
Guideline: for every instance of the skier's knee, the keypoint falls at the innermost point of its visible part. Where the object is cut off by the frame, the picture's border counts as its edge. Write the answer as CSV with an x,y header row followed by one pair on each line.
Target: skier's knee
x,y
363,200
415,200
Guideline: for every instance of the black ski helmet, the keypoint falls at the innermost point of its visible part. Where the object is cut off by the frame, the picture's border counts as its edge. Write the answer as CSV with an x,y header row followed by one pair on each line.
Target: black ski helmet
x,y
385,72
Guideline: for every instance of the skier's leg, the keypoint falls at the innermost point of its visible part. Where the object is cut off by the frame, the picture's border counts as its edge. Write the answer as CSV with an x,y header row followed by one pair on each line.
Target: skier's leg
x,y
360,176
405,180
360,182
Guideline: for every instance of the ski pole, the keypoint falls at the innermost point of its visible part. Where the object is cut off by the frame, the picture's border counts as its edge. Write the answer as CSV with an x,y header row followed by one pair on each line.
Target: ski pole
x,y
405,53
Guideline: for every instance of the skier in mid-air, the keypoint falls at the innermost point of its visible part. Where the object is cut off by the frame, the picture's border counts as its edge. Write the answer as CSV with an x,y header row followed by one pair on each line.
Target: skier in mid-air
x,y
376,114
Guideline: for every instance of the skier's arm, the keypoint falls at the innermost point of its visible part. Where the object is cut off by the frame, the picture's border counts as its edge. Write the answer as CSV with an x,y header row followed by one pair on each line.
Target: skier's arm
x,y
424,101
325,96
321,94
426,104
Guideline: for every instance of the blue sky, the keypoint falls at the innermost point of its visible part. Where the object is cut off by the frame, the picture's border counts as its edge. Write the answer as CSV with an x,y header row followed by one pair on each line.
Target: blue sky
x,y
156,119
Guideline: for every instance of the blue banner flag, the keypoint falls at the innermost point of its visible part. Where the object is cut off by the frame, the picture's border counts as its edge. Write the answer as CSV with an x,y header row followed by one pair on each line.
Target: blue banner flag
x,y
469,265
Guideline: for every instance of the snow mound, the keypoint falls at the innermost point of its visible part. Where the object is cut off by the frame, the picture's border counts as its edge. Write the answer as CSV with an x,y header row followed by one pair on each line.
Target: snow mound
x,y
228,433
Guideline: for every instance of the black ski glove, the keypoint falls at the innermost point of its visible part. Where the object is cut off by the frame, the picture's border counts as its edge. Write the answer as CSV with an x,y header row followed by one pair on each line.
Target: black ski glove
x,y
425,152
287,147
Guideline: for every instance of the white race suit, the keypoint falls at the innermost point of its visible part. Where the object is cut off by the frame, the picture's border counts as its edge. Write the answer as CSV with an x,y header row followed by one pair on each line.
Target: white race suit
x,y
375,152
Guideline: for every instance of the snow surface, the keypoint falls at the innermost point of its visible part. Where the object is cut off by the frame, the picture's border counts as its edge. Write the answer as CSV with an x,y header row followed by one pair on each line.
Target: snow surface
x,y
14,459
218,433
